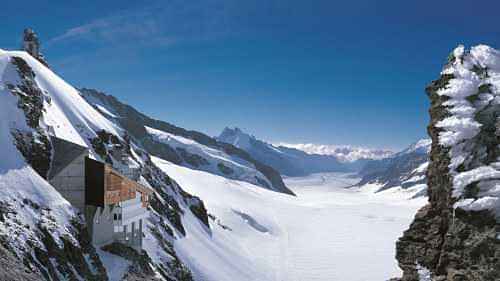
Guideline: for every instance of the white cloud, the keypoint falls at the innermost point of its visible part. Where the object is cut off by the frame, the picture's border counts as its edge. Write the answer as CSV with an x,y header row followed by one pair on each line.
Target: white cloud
x,y
342,152
164,23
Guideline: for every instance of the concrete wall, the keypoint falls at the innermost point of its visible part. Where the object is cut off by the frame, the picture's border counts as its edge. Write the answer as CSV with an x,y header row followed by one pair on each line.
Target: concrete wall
x,y
129,229
104,229
70,182
102,226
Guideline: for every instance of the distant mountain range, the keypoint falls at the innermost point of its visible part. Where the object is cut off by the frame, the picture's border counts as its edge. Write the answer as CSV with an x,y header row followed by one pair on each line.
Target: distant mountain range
x,y
344,153
405,169
291,161
186,147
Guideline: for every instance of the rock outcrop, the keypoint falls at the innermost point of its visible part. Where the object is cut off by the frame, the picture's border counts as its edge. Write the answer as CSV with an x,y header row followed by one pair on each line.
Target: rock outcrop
x,y
135,122
455,237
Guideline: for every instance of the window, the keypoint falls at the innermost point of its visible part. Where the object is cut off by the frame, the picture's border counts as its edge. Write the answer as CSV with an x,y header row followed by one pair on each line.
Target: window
x,y
116,217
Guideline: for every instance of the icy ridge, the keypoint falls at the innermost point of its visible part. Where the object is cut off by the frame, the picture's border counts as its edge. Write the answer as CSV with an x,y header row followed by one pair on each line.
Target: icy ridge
x,y
473,107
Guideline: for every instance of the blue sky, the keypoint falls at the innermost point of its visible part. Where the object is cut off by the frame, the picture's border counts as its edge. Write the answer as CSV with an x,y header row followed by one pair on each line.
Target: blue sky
x,y
326,72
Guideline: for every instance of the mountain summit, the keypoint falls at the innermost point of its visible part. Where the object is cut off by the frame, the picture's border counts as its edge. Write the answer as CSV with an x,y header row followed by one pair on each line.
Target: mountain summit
x,y
288,161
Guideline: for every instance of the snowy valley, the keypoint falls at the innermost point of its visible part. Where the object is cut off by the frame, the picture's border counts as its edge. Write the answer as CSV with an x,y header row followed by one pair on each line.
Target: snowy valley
x,y
246,201
183,206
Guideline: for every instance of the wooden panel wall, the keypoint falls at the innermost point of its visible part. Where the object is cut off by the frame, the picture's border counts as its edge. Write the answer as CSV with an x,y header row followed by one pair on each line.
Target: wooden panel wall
x,y
103,185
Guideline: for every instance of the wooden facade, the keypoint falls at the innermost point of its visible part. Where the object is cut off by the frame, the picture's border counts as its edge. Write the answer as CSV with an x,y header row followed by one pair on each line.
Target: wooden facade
x,y
105,186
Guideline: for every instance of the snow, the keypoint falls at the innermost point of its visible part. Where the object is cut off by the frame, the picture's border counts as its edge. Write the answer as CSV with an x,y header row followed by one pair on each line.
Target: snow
x,y
327,232
422,168
345,153
422,146
460,128
19,181
242,169
461,180
105,111
68,114
116,266
424,274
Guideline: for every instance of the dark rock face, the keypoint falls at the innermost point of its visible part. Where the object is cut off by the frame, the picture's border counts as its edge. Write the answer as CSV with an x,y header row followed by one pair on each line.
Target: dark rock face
x,y
194,160
225,169
12,269
49,260
140,268
454,245
35,148
133,121
34,144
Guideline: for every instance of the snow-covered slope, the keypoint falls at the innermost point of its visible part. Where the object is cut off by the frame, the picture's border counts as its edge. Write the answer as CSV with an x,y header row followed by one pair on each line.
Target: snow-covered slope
x,y
189,148
202,157
288,161
326,233
36,103
36,222
404,170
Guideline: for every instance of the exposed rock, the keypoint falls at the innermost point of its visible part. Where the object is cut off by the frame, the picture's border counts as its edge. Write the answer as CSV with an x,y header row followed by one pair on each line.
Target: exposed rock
x,y
134,122
194,160
33,144
454,244
12,269
224,169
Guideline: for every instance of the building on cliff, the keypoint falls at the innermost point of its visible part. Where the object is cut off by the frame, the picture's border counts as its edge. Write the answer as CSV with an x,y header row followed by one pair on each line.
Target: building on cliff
x,y
114,205
31,44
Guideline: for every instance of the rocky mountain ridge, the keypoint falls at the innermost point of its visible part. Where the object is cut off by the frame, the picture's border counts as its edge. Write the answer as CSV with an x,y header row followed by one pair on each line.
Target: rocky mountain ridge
x,y
39,228
406,169
186,147
455,237
288,161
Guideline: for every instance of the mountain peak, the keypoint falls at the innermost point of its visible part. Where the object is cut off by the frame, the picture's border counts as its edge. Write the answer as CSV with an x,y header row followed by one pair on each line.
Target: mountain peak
x,y
236,137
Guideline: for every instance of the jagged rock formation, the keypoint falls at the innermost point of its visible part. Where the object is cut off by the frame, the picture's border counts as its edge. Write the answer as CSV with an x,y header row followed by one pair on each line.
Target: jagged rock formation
x,y
456,236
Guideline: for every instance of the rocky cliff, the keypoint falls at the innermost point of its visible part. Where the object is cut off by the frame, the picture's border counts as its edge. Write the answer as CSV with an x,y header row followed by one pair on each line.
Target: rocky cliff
x,y
456,236
43,232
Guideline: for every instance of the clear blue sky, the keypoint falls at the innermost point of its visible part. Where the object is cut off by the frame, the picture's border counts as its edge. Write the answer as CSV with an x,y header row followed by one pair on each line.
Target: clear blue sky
x,y
329,72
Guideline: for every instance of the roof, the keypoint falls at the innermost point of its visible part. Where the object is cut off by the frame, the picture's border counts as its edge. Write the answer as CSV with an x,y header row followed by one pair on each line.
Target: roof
x,y
64,153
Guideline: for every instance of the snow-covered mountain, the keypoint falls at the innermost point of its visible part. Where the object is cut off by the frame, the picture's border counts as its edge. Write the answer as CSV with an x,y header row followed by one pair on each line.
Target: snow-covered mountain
x,y
344,153
288,161
406,169
189,148
42,231
44,237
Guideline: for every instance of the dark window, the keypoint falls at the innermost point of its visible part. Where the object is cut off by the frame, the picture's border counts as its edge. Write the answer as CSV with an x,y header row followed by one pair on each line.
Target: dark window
x,y
116,216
